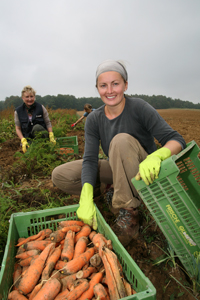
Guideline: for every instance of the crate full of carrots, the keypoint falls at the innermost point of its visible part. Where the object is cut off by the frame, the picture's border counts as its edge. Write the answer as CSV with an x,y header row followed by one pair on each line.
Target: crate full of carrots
x,y
50,254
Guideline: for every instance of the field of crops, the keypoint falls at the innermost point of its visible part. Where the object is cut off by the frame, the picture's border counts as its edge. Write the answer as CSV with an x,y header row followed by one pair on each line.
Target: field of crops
x,y
26,185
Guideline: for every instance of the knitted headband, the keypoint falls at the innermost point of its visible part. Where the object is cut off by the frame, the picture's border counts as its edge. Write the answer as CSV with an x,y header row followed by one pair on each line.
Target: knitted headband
x,y
112,65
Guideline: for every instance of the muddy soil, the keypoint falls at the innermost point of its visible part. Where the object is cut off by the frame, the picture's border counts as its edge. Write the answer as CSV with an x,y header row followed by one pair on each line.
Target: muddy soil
x,y
148,247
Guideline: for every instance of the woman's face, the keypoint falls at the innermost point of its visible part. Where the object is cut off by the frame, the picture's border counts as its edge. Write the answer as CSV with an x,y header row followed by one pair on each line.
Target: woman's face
x,y
111,88
28,98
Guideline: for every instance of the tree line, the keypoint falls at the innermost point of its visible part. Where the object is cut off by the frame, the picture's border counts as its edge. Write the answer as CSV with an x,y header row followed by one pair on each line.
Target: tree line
x,y
71,102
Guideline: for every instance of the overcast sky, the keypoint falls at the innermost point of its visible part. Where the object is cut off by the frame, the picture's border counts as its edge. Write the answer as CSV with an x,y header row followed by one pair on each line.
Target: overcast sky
x,y
56,45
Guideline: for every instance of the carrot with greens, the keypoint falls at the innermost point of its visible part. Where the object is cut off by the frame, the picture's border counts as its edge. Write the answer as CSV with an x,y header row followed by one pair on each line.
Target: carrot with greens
x,y
77,263
100,292
80,246
49,290
50,264
90,291
71,222
33,273
85,231
75,228
68,248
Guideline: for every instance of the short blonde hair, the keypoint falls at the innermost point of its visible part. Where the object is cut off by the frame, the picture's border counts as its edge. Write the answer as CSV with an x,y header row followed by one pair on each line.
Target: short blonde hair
x,y
28,89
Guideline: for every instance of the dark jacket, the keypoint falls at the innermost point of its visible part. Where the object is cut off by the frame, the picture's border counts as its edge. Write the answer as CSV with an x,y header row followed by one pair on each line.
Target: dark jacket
x,y
37,118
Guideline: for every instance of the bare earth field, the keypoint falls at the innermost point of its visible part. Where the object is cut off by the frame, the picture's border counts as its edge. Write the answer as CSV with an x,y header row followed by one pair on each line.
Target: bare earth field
x,y
147,247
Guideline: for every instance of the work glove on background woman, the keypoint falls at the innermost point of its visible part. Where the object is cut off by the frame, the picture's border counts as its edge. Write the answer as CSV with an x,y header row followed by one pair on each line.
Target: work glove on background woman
x,y
87,211
150,167
51,138
24,144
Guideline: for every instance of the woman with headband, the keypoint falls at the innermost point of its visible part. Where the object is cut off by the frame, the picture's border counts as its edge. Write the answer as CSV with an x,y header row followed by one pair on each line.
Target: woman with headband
x,y
126,128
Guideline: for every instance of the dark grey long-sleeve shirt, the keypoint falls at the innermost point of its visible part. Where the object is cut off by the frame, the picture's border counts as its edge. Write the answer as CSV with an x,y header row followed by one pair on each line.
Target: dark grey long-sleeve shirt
x,y
138,119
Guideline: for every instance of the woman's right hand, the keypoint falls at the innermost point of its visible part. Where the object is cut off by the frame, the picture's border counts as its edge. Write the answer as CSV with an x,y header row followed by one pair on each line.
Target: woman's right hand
x,y
87,211
24,144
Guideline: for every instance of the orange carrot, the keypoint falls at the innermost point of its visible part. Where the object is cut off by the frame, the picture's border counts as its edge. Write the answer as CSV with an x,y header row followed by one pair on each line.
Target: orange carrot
x,y
62,295
27,254
90,291
77,263
15,295
99,238
113,261
33,273
56,274
78,290
51,261
17,274
95,260
20,250
40,245
71,222
75,228
68,248
127,286
113,290
57,236
100,292
60,265
36,289
27,261
34,237
68,281
80,246
49,290
85,231
92,234
86,273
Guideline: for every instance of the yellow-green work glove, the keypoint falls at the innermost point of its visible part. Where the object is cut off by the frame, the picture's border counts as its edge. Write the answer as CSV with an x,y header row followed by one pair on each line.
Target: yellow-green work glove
x,y
150,167
87,211
51,138
24,144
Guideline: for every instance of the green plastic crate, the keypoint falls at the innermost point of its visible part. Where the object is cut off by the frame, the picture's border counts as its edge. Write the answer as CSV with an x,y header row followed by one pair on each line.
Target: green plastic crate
x,y
26,224
174,201
68,142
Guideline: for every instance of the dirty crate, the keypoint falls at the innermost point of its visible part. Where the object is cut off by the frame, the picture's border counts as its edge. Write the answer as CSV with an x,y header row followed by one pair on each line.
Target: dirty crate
x,y
70,143
26,224
174,201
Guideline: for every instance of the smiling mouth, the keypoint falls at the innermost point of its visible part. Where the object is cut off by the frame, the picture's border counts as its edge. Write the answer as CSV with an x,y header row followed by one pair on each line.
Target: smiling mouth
x,y
110,97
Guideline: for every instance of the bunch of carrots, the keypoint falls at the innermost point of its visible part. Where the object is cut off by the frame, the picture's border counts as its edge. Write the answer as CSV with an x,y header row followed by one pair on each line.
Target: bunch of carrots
x,y
73,262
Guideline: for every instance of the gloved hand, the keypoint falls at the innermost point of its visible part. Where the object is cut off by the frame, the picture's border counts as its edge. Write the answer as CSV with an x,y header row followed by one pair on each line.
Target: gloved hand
x,y
87,211
51,138
24,144
150,167
74,124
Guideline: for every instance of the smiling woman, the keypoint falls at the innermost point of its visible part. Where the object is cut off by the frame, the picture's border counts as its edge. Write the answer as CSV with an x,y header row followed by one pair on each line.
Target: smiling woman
x,y
126,128
31,117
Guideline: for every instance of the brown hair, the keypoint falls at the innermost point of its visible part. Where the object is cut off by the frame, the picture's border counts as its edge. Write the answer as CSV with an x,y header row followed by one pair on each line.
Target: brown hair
x,y
87,106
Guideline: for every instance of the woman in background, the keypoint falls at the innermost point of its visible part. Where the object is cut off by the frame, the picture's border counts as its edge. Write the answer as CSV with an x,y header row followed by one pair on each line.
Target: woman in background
x,y
88,109
31,117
